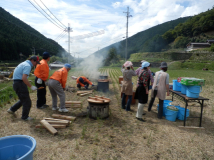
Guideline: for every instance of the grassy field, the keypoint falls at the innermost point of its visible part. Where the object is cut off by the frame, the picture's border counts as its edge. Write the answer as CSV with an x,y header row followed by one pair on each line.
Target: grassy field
x,y
120,136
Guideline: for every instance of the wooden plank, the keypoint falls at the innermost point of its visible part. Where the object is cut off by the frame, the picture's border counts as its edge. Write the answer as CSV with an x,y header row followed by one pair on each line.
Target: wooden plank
x,y
73,102
80,92
53,119
48,127
53,125
71,118
191,127
73,105
84,94
95,101
58,122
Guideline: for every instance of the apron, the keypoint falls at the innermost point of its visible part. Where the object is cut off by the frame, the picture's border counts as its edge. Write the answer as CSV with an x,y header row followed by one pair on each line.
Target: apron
x,y
127,88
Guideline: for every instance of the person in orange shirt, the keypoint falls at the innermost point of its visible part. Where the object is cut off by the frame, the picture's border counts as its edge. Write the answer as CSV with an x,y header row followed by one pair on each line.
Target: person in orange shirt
x,y
83,82
56,86
42,72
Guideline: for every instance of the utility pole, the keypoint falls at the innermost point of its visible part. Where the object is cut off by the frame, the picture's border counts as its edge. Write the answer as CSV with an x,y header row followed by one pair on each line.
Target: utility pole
x,y
127,24
68,40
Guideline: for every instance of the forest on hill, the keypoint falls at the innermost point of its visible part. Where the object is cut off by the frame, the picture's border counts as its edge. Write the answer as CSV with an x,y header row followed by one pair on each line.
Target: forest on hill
x,y
18,39
169,35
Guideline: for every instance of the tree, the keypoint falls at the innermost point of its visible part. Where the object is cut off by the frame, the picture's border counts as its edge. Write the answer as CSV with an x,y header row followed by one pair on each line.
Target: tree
x,y
112,57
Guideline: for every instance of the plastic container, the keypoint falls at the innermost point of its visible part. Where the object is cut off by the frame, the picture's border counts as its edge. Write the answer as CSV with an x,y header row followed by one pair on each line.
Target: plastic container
x,y
181,113
176,85
165,104
183,89
193,81
193,91
17,147
171,115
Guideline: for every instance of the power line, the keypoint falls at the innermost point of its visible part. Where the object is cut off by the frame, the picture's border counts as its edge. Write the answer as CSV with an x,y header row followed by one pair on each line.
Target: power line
x,y
53,14
59,35
49,15
45,15
62,36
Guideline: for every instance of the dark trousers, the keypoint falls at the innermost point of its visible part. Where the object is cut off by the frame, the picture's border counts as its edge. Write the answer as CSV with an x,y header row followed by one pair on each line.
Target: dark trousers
x,y
24,99
85,83
160,110
128,102
41,94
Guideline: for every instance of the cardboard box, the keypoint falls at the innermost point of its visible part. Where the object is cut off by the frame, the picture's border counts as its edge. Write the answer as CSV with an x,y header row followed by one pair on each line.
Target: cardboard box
x,y
193,82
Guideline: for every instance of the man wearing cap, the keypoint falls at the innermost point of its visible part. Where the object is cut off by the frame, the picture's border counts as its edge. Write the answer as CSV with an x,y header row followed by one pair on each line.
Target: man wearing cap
x,y
159,88
20,83
83,82
42,72
56,86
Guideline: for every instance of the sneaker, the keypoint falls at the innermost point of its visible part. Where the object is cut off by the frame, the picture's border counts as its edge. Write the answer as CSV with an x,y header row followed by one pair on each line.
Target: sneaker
x,y
63,110
28,119
43,107
9,111
54,109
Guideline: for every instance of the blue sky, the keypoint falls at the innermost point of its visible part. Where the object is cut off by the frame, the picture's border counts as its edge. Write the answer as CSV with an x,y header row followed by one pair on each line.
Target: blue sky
x,y
87,16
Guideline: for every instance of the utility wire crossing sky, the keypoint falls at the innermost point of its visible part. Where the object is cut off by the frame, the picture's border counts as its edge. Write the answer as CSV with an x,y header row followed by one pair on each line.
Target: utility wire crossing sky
x,y
51,18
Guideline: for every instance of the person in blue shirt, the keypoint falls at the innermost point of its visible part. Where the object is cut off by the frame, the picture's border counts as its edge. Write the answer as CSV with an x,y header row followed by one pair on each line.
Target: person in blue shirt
x,y
20,84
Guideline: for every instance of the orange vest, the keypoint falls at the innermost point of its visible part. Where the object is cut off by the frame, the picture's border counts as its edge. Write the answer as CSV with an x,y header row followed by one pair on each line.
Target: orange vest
x,y
61,76
85,80
42,70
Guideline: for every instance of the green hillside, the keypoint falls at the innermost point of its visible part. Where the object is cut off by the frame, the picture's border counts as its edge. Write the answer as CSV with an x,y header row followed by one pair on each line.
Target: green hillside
x,y
145,40
17,37
167,36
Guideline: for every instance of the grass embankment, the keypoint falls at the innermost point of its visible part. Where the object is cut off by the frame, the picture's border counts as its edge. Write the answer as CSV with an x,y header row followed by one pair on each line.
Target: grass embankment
x,y
120,136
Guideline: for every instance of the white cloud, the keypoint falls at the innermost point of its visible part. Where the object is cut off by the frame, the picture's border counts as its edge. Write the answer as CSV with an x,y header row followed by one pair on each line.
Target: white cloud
x,y
85,17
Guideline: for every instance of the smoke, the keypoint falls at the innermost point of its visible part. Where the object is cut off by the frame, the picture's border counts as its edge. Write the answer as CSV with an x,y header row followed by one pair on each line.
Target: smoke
x,y
91,66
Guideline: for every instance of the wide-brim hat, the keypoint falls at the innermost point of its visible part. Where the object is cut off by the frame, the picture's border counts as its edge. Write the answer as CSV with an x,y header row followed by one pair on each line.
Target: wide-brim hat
x,y
145,64
163,65
128,64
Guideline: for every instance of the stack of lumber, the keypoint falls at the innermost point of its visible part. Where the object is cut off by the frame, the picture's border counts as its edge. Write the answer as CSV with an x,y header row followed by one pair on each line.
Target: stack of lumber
x,y
58,121
98,99
83,93
73,104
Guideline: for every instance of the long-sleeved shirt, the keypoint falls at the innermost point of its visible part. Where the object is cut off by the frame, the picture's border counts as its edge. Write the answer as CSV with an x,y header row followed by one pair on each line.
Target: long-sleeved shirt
x,y
127,74
143,78
42,70
84,79
137,71
61,76
158,78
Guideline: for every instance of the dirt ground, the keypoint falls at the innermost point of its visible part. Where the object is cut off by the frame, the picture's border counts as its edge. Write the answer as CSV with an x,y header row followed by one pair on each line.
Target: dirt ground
x,y
120,136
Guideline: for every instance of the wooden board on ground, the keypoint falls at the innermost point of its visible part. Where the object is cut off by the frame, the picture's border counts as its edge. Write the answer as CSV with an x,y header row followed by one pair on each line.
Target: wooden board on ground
x,y
191,127
71,118
58,122
84,94
61,120
73,102
53,125
48,127
86,91
73,106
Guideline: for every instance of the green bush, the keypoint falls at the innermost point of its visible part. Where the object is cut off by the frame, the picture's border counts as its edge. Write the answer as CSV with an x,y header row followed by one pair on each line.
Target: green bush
x,y
175,65
212,48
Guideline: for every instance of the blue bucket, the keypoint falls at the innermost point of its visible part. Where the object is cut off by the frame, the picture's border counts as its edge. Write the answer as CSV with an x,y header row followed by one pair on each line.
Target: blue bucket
x,y
165,104
17,147
171,115
183,89
176,85
193,91
181,113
